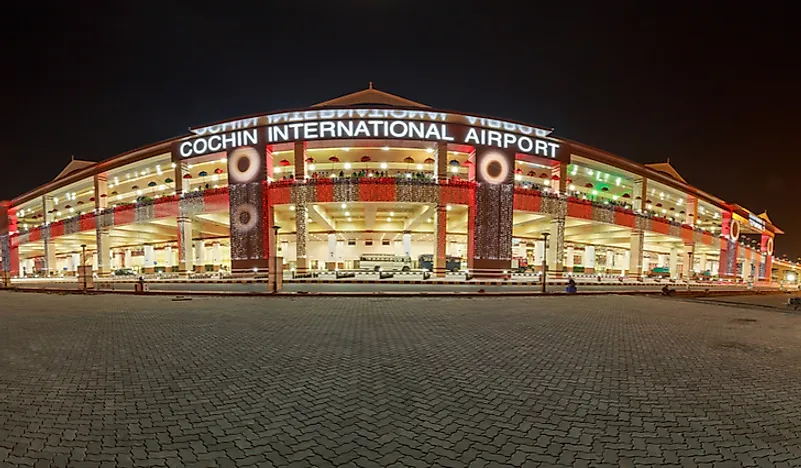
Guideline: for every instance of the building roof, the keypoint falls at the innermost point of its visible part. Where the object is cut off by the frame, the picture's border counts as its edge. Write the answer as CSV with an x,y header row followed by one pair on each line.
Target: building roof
x,y
667,169
370,96
74,166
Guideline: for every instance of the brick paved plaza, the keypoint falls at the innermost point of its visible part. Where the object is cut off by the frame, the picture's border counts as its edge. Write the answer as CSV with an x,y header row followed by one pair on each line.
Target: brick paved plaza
x,y
552,381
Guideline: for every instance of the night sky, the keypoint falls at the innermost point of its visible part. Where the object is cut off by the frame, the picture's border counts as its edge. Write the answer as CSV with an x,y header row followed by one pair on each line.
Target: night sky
x,y
717,91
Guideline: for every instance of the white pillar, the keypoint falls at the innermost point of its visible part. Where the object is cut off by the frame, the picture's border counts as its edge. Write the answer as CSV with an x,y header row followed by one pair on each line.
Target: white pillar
x,y
589,257
674,262
76,261
168,261
702,262
216,254
746,268
128,263
200,253
539,252
626,261
94,262
407,244
661,260
610,260
570,252
150,256
332,247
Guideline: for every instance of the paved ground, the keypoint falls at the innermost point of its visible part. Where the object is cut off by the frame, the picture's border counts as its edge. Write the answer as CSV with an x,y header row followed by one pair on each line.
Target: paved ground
x,y
551,381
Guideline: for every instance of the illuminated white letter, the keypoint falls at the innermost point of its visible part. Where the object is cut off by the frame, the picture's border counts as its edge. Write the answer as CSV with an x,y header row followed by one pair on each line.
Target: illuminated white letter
x,y
249,137
185,149
212,145
541,147
327,128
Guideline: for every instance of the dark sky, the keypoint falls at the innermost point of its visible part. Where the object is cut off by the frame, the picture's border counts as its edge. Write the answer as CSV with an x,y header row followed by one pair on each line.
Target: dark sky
x,y
715,89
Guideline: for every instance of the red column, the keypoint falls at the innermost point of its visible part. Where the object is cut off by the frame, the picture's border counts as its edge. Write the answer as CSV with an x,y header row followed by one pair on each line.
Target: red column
x,y
767,248
729,233
9,254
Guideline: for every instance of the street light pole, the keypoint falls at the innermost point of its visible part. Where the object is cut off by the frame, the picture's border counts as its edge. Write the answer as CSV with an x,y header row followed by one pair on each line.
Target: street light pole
x,y
275,258
545,259
82,273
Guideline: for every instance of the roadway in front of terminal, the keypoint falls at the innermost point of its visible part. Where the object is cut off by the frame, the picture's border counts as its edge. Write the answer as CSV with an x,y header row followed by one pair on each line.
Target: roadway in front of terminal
x,y
350,287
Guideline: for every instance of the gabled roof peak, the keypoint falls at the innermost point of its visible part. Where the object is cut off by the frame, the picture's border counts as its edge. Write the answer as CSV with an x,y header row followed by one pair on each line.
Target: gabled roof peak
x,y
74,166
370,96
667,169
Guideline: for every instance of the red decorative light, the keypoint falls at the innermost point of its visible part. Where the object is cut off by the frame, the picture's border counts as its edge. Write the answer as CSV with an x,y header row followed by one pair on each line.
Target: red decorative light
x,y
408,160
626,195
218,171
334,159
532,174
429,161
554,177
365,158
187,176
310,160
284,162
543,176
588,185
518,171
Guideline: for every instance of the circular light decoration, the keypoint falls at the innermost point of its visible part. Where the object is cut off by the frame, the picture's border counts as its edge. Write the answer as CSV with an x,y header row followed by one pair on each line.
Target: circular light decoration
x,y
203,174
243,165
365,158
334,159
734,230
604,189
429,161
408,160
626,195
218,171
494,167
151,184
187,176
769,246
454,162
168,181
245,217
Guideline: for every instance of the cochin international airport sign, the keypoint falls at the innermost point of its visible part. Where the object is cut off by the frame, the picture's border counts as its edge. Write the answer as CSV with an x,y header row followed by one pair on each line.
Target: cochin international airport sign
x,y
369,124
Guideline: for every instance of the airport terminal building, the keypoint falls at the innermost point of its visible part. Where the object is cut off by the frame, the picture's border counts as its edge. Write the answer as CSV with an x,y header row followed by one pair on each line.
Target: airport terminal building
x,y
372,180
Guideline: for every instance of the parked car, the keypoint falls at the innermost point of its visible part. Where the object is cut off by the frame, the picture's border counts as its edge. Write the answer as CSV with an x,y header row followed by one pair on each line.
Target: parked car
x,y
385,262
451,263
659,272
124,272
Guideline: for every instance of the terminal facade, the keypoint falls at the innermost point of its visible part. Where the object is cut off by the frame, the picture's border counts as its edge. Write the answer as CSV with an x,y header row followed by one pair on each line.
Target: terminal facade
x,y
372,180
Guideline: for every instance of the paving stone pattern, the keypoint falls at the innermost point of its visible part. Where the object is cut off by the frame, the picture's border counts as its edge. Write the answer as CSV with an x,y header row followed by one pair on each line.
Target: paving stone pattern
x,y
582,381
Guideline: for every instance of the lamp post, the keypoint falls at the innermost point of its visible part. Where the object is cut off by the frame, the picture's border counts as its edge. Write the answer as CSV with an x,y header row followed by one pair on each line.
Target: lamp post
x,y
82,273
690,268
274,266
545,259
